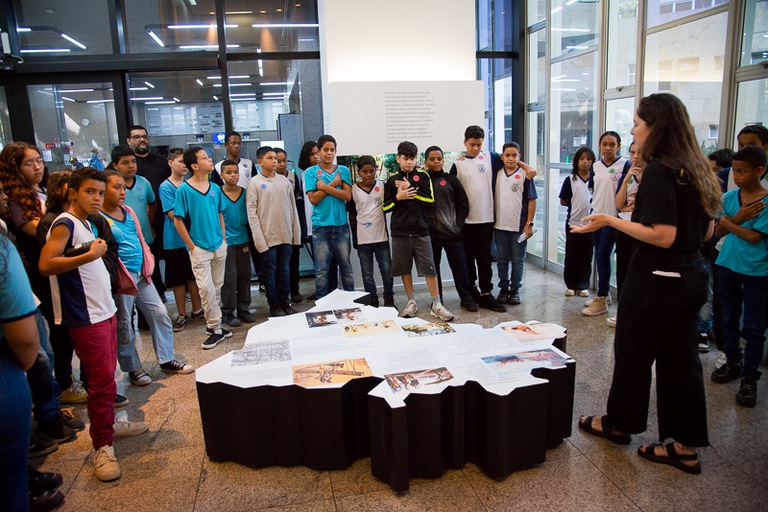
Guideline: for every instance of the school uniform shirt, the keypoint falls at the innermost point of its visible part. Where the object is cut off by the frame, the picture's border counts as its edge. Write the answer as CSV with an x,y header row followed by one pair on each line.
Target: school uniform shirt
x,y
369,209
331,211
632,187
513,191
138,196
738,254
245,166
200,211
606,179
129,247
272,212
235,218
154,168
17,300
81,296
579,194
476,176
409,217
171,238
449,211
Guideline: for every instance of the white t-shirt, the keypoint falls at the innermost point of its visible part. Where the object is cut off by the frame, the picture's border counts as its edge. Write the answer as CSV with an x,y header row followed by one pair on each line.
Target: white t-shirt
x,y
509,199
371,225
476,176
605,185
246,171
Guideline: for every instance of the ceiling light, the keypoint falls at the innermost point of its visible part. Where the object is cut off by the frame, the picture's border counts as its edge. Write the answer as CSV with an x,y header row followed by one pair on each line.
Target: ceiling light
x,y
23,29
138,88
244,99
148,98
557,9
200,82
73,41
192,2
574,47
230,76
275,83
215,97
157,39
68,99
235,85
100,101
277,94
285,25
235,95
149,84
76,90
176,27
205,46
46,50
177,100
238,12
164,102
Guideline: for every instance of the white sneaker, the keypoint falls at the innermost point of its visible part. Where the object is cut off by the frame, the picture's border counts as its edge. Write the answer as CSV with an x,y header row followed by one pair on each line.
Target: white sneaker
x,y
608,300
597,306
124,428
611,320
570,293
410,310
441,313
721,359
105,465
583,293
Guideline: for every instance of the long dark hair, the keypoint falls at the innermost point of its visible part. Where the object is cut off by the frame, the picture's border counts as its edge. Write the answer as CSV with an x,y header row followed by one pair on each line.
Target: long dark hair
x,y
672,142
16,187
579,153
306,150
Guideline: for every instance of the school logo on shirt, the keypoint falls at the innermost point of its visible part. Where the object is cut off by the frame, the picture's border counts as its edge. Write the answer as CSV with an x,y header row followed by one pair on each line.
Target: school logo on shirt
x,y
515,188
480,156
375,189
442,183
517,176
416,178
319,173
481,168
263,186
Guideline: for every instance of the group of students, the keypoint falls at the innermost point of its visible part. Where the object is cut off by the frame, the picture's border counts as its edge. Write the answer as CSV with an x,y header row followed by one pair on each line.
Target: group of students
x,y
736,258
483,197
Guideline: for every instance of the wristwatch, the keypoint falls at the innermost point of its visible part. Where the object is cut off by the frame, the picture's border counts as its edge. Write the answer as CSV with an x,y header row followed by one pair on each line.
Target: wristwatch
x,y
529,223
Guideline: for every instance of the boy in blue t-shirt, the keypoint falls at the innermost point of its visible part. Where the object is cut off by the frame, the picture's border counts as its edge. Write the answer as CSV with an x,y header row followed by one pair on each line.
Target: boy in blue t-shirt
x,y
742,271
198,219
328,187
236,293
138,191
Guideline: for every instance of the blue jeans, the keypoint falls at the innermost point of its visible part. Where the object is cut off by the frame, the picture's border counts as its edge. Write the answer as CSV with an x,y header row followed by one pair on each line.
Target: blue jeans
x,y
752,291
148,301
510,251
276,273
383,257
15,424
603,240
44,388
332,240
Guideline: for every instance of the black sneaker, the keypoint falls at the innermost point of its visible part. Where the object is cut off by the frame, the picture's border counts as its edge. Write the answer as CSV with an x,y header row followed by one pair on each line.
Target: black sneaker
x,y
726,373
389,302
287,308
488,302
276,310
514,297
175,366
213,340
72,422
43,480
195,315
375,302
40,445
56,429
747,395
297,298
502,297
120,400
469,305
42,499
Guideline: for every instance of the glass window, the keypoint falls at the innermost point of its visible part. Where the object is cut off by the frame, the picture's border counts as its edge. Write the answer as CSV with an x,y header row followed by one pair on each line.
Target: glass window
x,y
619,116
496,75
751,105
178,108
536,243
537,11
72,119
574,26
755,42
59,28
622,43
687,61
5,120
573,106
494,25
533,155
558,213
272,27
537,67
659,12
178,25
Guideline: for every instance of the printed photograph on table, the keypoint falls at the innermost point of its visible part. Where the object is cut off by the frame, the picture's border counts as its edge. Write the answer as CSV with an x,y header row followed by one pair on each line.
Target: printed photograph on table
x,y
332,372
534,332
508,364
259,353
320,318
371,328
410,381
349,316
430,329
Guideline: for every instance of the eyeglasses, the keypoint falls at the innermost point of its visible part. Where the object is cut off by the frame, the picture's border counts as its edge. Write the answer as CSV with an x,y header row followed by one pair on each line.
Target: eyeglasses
x,y
139,137
31,164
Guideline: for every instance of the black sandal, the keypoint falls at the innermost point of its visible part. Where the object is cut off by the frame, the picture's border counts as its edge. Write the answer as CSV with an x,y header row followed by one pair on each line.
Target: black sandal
x,y
606,433
672,458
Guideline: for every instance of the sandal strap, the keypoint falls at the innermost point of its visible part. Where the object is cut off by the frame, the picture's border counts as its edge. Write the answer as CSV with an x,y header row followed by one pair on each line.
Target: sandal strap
x,y
673,454
607,424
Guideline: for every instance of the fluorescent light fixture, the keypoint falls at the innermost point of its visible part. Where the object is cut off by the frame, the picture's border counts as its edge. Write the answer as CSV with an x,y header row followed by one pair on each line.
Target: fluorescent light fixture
x,y
177,100
156,38
68,99
73,41
100,101
285,25
306,39
235,95
205,46
234,85
558,76
574,47
569,2
46,50
47,93
199,82
76,90
557,9
148,98
276,94
23,29
230,76
275,83
192,2
164,102
138,88
565,90
149,84
177,27
244,99
278,103
570,30
215,97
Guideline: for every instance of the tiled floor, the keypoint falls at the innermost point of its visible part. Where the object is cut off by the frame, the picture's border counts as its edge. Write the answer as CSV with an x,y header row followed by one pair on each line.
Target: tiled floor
x,y
167,469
